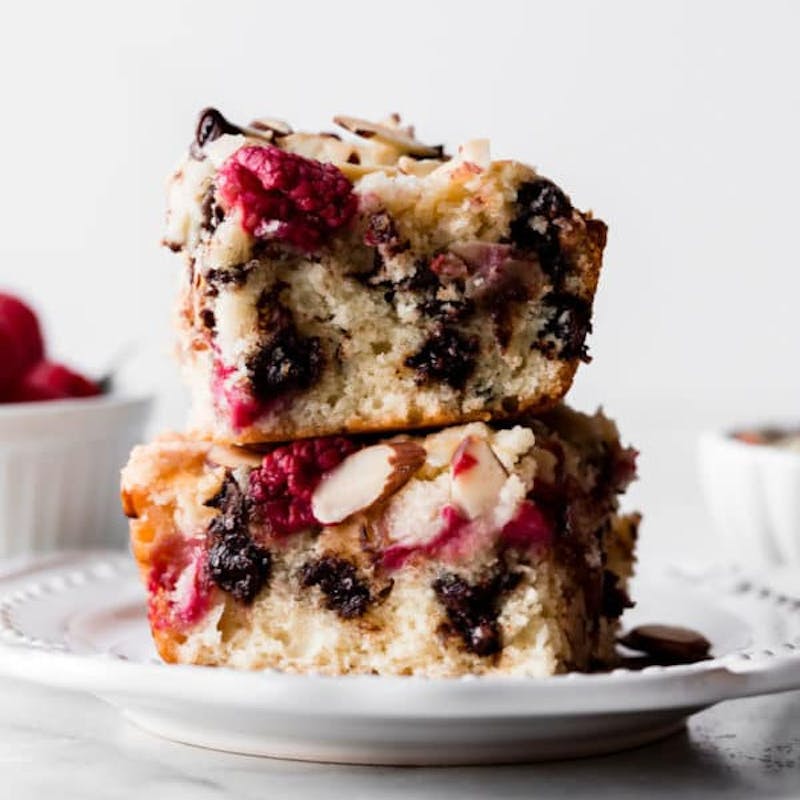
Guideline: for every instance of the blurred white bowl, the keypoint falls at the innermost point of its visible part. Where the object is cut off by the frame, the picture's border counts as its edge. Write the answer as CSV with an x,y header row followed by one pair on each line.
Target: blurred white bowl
x,y
753,496
59,471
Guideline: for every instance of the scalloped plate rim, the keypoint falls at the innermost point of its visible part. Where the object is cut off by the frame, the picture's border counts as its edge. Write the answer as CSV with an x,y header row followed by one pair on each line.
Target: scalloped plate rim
x,y
732,675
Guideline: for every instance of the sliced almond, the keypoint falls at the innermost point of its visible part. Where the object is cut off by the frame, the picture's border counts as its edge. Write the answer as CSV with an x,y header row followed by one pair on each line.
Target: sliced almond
x,y
318,147
365,478
476,477
442,446
233,457
397,137
476,151
265,134
355,172
417,166
276,126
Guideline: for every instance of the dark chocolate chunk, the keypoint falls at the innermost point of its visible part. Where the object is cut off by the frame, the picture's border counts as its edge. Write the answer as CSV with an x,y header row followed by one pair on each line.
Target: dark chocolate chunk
x,y
235,563
231,502
542,199
669,644
238,566
345,592
210,126
208,319
614,598
539,204
446,356
211,212
568,323
424,280
285,360
235,275
472,609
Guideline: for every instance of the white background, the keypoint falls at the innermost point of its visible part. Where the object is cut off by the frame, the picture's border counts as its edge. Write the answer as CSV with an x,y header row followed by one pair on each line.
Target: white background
x,y
677,122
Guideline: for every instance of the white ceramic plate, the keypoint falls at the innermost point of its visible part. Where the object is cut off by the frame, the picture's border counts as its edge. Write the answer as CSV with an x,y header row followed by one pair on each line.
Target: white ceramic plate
x,y
78,622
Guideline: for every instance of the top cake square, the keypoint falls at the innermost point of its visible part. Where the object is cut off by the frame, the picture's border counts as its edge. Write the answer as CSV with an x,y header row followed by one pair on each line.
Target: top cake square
x,y
371,283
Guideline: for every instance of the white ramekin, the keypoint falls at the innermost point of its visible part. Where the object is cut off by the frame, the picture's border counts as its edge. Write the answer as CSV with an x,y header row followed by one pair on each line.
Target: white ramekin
x,y
753,495
59,472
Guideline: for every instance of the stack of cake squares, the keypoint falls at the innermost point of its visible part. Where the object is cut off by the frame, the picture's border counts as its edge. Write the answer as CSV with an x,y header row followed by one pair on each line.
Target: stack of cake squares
x,y
379,474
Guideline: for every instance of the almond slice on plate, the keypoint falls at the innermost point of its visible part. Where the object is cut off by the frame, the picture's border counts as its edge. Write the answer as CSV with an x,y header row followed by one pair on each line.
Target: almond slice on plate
x,y
396,137
476,477
233,457
365,478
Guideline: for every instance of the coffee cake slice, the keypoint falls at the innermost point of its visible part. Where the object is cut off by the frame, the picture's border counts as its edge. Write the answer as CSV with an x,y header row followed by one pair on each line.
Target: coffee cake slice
x,y
372,283
471,550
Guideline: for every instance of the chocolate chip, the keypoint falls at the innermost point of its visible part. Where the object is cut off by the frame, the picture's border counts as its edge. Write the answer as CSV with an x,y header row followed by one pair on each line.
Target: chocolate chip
x,y
446,356
238,566
285,360
568,322
235,275
345,592
210,126
542,199
424,279
614,599
210,211
235,563
472,609
670,644
539,204
231,502
208,319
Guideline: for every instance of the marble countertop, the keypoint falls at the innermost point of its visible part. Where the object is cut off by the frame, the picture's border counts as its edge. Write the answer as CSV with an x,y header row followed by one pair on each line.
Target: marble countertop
x,y
64,745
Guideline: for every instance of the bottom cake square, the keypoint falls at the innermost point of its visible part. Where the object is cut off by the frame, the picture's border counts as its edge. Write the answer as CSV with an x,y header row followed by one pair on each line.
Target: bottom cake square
x,y
470,550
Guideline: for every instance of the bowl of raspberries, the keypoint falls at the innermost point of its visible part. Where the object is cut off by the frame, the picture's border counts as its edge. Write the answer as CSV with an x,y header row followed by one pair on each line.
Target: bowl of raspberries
x,y
63,438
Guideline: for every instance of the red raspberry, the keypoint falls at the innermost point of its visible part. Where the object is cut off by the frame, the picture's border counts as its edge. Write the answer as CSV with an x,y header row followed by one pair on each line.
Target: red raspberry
x,y
21,342
51,381
282,487
528,528
284,196
169,559
454,524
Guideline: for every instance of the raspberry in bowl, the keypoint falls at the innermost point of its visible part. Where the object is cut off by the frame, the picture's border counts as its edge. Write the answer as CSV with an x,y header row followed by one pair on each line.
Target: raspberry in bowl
x,y
751,481
63,439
